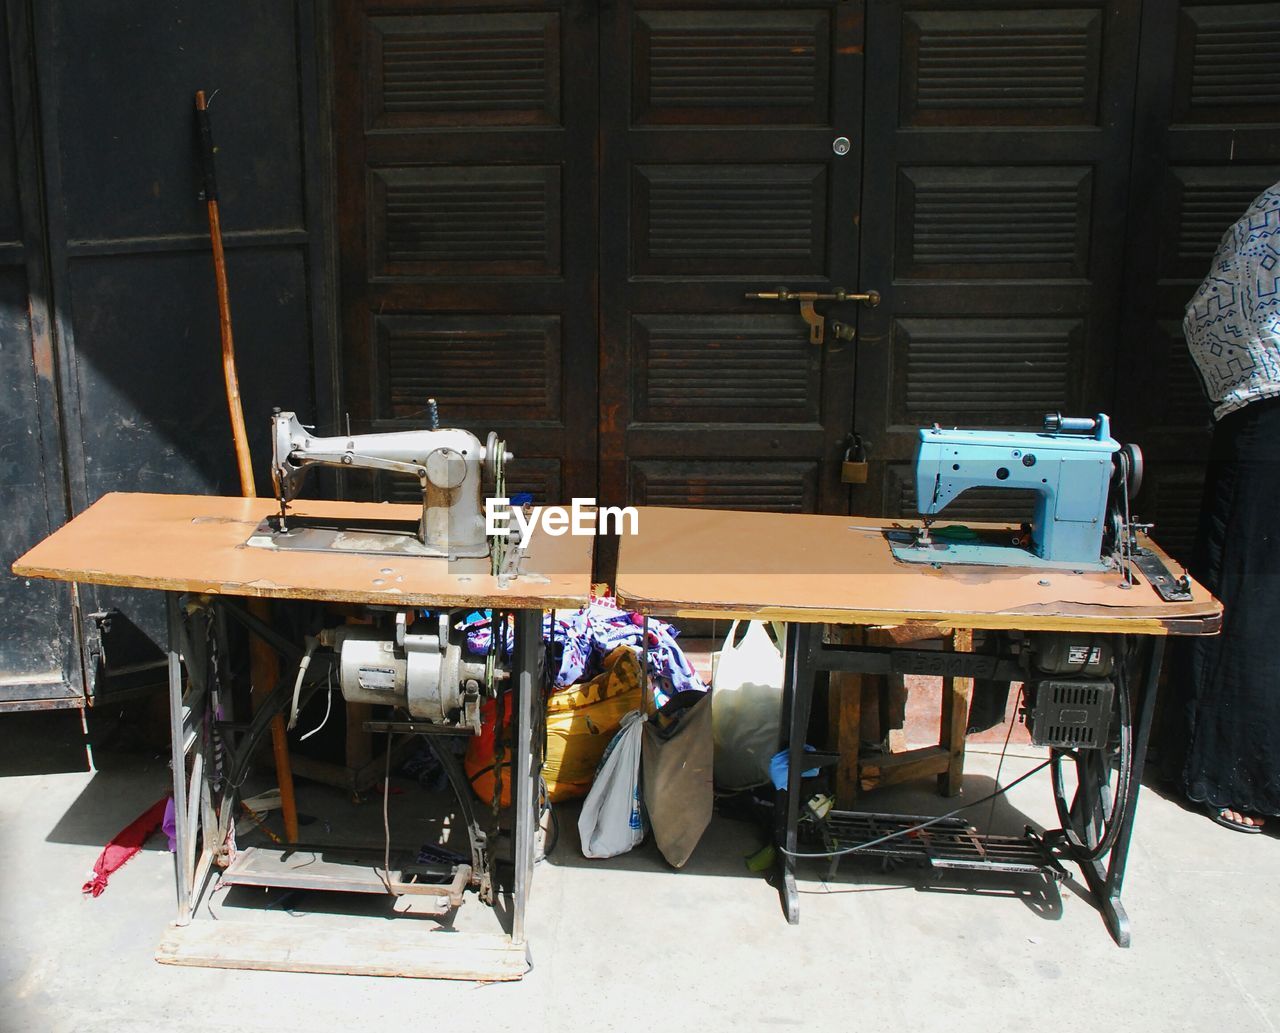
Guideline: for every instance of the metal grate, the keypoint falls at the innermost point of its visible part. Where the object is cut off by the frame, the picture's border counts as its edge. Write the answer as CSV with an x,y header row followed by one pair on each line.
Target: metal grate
x,y
950,844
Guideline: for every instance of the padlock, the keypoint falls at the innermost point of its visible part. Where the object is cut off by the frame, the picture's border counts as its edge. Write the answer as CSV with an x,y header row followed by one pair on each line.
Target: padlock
x,y
853,469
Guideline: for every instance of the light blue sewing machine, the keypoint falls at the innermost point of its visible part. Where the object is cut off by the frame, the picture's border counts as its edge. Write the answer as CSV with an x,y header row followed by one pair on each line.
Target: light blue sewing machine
x,y
1071,466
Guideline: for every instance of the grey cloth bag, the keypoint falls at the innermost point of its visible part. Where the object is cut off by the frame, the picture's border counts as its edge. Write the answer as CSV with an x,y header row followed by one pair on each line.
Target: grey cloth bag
x,y
675,764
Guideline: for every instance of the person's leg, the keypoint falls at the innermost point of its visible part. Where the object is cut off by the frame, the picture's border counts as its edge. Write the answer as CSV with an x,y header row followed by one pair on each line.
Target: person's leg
x,y
1233,756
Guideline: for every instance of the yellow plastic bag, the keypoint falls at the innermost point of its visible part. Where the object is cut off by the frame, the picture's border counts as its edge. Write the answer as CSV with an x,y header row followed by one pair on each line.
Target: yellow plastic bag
x,y
582,718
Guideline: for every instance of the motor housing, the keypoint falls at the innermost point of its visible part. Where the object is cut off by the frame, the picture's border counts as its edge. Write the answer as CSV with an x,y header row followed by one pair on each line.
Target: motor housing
x,y
1070,713
418,667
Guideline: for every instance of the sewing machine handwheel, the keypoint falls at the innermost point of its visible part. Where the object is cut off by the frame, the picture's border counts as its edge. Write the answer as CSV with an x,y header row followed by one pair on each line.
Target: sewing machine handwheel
x,y
1129,469
496,456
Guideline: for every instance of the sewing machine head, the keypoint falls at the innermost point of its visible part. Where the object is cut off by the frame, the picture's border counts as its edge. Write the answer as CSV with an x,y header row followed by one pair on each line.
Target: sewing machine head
x,y
449,465
1071,466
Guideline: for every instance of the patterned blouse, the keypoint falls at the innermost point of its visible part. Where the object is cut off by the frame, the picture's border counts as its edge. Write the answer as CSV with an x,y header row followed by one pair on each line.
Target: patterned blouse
x,y
1232,325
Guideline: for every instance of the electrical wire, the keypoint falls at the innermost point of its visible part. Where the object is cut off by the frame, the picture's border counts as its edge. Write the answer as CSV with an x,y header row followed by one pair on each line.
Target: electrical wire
x,y
991,814
916,828
303,664
328,707
386,821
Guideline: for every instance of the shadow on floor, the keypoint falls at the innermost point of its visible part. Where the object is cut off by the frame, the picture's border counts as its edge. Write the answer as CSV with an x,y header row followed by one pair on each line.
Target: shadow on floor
x,y
42,742
738,831
124,781
111,800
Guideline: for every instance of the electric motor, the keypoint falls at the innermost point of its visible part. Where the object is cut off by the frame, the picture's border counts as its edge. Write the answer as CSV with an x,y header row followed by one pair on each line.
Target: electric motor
x,y
417,667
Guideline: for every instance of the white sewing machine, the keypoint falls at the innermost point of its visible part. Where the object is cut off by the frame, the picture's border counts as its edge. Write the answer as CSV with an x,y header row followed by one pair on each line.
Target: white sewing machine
x,y
449,464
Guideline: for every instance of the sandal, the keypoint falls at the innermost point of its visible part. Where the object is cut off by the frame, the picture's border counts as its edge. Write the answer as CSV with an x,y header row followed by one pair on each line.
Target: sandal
x,y
1216,813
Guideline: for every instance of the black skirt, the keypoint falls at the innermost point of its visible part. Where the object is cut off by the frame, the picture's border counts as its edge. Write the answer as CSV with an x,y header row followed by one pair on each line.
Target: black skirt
x,y
1232,684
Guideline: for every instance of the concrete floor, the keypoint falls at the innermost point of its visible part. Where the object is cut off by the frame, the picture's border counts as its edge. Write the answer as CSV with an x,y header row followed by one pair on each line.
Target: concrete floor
x,y
629,944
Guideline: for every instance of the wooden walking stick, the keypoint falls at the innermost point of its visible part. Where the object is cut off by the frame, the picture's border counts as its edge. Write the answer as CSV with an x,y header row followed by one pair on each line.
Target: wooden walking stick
x,y
264,666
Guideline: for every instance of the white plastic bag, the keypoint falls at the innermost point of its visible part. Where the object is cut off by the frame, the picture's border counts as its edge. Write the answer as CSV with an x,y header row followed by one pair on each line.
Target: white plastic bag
x,y
611,821
746,715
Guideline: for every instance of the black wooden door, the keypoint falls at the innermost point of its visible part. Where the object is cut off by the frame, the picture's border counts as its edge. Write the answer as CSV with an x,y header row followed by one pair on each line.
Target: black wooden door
x,y
551,215
719,177
542,200
467,195
39,662
110,375
997,147
1206,142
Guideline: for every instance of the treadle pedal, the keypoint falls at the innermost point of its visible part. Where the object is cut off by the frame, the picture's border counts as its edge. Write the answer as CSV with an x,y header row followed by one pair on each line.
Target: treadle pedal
x,y
951,843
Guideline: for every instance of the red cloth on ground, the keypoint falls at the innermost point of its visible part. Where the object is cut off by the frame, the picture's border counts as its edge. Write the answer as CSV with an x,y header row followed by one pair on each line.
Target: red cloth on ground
x,y
127,842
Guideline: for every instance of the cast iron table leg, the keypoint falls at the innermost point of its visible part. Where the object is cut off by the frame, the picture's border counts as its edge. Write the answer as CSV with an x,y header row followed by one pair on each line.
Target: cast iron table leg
x,y
797,695
1106,882
527,685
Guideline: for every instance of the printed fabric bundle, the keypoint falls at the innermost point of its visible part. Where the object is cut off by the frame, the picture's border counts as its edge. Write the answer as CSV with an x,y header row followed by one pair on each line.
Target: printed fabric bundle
x,y
585,637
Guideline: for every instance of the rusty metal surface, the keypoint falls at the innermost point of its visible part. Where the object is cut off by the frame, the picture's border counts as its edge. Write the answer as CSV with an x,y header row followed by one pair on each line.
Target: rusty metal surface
x,y
14,699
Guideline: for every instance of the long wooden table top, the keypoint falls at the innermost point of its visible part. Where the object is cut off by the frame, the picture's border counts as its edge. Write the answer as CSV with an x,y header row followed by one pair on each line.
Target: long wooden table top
x,y
840,570
196,543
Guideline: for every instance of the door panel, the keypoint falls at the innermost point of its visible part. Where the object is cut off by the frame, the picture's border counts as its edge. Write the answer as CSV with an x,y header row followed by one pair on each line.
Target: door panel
x,y
718,177
39,661
473,69
1207,142
1000,67
730,67
996,170
467,184
726,484
721,220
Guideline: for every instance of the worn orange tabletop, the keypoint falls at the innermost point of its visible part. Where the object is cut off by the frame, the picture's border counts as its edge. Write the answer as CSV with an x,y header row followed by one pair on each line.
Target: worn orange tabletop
x,y
195,543
837,569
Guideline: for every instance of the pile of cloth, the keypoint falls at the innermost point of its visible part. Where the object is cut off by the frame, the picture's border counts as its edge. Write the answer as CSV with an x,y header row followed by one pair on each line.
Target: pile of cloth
x,y
583,638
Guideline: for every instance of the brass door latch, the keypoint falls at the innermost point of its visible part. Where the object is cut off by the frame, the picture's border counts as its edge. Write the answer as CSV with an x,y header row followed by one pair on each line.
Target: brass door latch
x,y
816,321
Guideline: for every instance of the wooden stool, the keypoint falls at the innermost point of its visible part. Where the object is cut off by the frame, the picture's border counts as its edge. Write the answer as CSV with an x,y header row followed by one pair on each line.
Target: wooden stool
x,y
856,774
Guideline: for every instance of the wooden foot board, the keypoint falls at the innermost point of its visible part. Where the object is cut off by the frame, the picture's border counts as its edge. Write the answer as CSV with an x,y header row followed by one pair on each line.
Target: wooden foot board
x,y
345,950
345,870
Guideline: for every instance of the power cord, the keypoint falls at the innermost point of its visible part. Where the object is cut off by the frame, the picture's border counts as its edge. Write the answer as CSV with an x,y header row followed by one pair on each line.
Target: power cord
x,y
386,821
991,814
328,707
303,664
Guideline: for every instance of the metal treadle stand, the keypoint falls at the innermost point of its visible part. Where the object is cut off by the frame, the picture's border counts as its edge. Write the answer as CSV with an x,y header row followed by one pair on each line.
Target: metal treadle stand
x,y
952,844
204,802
